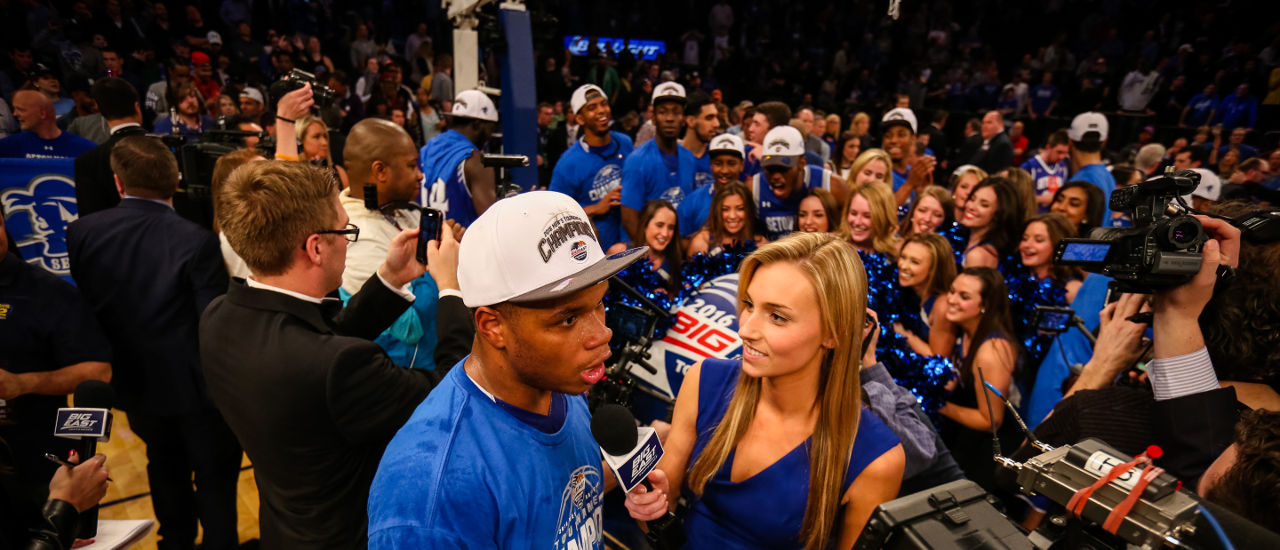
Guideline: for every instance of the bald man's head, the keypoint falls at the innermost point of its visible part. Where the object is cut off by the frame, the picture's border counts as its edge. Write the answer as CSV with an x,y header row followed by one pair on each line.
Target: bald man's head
x,y
34,111
379,151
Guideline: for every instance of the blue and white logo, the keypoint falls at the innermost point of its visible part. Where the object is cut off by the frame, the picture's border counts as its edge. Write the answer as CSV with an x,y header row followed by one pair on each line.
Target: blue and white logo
x,y
608,178
37,216
580,523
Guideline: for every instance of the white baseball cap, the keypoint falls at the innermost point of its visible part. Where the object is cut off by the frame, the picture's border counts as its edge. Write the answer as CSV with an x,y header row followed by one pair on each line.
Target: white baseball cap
x,y
582,95
783,145
213,37
531,247
474,104
728,143
1084,123
668,91
252,93
1210,186
898,115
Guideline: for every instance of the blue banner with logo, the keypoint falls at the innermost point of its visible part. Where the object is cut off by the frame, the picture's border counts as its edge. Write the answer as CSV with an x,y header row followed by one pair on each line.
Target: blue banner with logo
x,y
39,200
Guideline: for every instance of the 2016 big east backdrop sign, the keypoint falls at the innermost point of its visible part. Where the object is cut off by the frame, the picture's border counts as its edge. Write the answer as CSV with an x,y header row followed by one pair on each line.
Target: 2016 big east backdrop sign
x,y
706,326
39,200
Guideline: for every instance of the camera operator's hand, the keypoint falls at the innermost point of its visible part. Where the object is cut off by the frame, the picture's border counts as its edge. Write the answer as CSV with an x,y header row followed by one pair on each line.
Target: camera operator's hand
x,y
442,258
82,486
296,104
1119,343
402,264
1177,310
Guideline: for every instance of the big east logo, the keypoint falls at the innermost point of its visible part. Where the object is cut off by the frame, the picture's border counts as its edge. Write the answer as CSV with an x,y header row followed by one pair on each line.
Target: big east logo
x,y
80,421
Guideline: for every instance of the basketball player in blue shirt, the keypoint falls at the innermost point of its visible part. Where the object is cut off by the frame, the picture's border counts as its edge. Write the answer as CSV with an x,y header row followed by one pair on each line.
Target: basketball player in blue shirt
x,y
1048,168
661,168
726,156
910,171
786,180
1088,135
702,122
591,170
500,454
455,179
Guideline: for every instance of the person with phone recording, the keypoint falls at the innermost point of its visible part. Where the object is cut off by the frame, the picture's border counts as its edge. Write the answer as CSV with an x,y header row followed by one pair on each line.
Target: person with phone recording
x,y
382,163
312,399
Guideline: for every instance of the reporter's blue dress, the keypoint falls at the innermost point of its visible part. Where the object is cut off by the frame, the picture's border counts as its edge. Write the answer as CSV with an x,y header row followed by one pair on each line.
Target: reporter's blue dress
x,y
765,510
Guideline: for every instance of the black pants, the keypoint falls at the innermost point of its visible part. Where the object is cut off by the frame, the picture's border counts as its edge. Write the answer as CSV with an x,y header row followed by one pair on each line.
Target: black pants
x,y
177,446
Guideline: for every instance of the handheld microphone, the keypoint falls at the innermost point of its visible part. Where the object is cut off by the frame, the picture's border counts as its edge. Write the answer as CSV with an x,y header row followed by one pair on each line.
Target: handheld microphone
x,y
632,453
89,421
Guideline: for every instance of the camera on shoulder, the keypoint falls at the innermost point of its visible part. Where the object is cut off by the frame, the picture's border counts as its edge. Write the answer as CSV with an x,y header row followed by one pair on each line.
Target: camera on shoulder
x,y
1162,249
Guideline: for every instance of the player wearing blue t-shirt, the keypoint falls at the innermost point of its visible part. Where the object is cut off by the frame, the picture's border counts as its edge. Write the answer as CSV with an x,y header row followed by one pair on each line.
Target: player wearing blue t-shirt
x,y
40,137
455,180
786,181
702,122
591,170
726,154
502,455
910,172
660,168
1048,168
1088,135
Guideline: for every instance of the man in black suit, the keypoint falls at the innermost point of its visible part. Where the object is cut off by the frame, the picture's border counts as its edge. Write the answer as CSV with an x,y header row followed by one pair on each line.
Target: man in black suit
x,y
995,151
298,377
95,185
148,274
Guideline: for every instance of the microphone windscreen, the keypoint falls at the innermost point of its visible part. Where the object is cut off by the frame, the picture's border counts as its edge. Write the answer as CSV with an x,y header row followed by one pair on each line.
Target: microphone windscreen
x,y
95,394
614,428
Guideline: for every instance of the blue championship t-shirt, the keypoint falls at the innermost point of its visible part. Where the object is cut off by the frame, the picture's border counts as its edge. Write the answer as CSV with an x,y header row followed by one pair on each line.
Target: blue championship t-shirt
x,y
645,176
702,175
588,174
463,472
779,215
27,145
692,212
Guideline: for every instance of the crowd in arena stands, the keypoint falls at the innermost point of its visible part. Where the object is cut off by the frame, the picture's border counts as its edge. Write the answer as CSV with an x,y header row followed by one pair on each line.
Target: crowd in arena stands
x,y
945,154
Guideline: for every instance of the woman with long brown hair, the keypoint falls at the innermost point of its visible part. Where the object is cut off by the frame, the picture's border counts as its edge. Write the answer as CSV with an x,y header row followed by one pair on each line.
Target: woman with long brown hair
x,y
731,221
786,423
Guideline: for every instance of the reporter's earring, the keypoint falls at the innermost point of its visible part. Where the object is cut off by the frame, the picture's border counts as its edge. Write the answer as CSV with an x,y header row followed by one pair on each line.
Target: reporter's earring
x,y
982,311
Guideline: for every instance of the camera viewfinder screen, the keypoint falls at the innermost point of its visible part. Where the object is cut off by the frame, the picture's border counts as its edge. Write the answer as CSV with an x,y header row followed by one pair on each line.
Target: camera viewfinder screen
x,y
1050,320
1085,252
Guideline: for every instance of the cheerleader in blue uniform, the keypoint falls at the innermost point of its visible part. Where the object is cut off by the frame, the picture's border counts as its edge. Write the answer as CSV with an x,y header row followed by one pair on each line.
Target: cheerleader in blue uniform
x,y
925,272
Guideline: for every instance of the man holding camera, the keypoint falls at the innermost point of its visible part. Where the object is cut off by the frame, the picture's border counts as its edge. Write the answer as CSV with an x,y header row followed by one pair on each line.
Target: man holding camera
x,y
312,399
457,182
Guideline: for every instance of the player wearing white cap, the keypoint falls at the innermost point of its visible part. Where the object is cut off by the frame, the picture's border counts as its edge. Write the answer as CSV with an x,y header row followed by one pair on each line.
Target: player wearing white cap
x,y
726,155
911,171
456,181
1088,134
786,180
591,170
660,168
501,454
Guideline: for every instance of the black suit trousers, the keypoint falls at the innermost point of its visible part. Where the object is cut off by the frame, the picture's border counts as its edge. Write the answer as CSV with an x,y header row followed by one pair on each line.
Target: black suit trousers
x,y
178,446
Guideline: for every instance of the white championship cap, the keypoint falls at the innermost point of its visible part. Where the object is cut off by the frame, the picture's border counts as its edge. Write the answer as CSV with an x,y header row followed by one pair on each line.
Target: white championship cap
x,y
252,93
783,146
534,246
899,115
1084,123
728,143
584,94
668,91
474,104
1210,186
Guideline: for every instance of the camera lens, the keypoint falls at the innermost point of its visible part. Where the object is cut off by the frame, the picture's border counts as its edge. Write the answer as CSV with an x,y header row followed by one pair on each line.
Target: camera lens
x,y
1183,233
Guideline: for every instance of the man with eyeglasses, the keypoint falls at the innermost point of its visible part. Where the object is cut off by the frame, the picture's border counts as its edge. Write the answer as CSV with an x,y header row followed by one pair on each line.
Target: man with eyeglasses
x,y
148,274
309,394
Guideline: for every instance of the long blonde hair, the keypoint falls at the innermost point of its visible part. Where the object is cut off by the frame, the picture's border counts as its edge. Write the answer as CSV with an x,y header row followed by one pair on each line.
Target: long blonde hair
x,y
833,268
884,216
300,128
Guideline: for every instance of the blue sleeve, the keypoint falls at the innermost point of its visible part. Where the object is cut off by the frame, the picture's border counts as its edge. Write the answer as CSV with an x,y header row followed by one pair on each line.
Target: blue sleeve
x,y
1253,113
687,216
560,181
417,537
635,190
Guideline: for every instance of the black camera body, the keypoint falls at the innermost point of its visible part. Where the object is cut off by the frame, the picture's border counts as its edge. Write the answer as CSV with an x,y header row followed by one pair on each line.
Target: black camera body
x,y
298,78
1161,250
